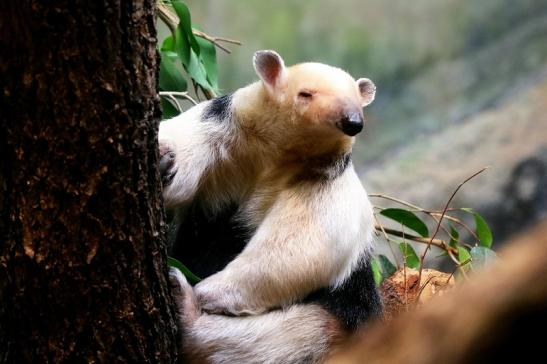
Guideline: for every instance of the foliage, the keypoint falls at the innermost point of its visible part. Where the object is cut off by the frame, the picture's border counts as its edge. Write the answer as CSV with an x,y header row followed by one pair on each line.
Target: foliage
x,y
187,273
450,225
408,219
189,51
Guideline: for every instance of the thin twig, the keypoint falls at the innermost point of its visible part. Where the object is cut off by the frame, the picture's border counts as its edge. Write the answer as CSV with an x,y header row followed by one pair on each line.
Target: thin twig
x,y
442,227
170,19
457,221
436,242
167,16
209,93
386,197
406,282
452,274
429,212
422,288
422,258
174,99
183,95
461,265
199,33
381,228
216,40
454,259
448,233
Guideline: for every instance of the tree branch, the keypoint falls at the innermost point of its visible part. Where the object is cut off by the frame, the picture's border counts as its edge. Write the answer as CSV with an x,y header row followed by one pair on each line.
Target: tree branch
x,y
436,242
170,19
173,95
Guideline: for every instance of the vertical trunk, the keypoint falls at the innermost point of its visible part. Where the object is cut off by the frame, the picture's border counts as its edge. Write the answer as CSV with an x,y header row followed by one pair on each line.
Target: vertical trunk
x,y
82,261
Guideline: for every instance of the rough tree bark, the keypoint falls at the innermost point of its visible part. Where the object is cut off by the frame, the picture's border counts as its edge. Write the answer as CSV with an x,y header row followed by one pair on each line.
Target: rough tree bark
x,y
82,261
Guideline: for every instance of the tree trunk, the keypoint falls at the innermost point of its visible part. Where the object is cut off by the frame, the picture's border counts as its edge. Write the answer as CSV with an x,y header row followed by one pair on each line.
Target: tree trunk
x,y
83,274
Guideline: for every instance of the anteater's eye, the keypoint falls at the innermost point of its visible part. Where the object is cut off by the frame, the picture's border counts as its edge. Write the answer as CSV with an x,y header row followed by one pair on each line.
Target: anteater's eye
x,y
305,94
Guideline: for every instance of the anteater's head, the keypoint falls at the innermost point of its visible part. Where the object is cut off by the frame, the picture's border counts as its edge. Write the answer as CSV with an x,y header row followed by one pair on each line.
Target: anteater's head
x,y
319,99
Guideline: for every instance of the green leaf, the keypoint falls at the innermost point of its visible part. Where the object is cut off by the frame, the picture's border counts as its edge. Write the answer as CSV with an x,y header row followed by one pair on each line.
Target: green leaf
x,y
408,219
172,262
185,23
196,70
454,236
208,56
376,271
168,44
482,257
481,229
181,46
409,255
387,267
170,77
168,109
198,56
463,255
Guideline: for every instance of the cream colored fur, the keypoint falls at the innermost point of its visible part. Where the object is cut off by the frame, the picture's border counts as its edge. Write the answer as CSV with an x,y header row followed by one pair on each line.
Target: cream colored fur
x,y
309,233
295,335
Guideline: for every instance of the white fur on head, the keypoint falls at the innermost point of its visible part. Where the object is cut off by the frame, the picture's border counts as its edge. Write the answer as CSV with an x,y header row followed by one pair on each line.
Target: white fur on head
x,y
367,88
269,66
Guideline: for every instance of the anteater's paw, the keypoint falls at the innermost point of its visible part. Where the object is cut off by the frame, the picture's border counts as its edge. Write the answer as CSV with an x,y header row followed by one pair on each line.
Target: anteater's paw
x,y
168,166
216,297
184,296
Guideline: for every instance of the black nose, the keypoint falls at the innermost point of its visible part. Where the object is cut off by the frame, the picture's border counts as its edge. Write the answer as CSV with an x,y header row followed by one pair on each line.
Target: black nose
x,y
351,123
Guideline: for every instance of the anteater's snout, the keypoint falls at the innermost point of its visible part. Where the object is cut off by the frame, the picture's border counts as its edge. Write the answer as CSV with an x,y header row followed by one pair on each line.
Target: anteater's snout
x,y
351,123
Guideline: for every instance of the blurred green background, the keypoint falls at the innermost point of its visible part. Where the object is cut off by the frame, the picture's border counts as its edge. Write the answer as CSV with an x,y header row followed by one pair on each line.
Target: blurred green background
x,y
461,84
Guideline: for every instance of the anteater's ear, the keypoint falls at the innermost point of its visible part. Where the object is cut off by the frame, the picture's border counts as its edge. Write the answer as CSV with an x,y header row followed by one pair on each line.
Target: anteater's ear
x,y
270,68
367,88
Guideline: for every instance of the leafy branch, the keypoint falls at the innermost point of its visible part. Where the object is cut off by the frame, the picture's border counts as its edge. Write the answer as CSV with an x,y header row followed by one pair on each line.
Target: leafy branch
x,y
422,257
170,19
190,50
465,255
439,243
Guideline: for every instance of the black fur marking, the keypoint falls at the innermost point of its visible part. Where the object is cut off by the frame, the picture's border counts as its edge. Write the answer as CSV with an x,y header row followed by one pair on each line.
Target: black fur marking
x,y
355,301
206,243
219,109
325,168
340,166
